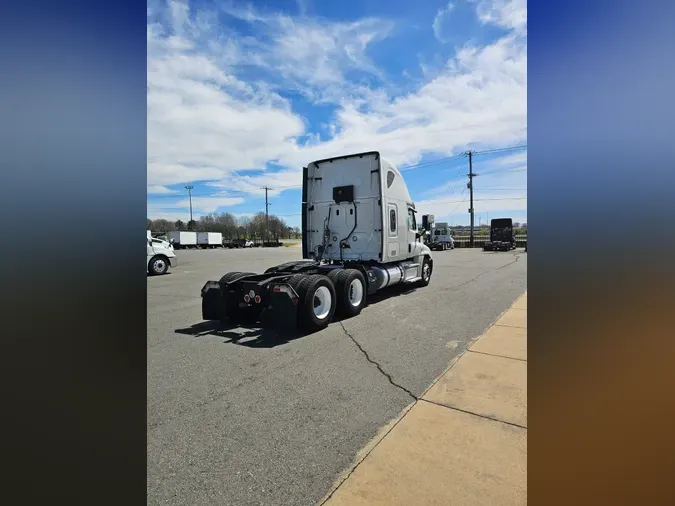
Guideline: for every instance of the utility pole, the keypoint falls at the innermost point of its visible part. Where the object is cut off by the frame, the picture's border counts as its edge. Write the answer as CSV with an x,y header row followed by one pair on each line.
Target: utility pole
x,y
267,216
189,189
470,186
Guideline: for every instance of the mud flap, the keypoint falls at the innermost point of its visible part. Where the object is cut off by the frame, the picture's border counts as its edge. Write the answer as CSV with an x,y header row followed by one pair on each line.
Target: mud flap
x,y
213,304
282,312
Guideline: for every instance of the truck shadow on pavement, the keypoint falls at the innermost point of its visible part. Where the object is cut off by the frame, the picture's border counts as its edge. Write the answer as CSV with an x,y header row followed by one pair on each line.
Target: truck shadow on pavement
x,y
257,335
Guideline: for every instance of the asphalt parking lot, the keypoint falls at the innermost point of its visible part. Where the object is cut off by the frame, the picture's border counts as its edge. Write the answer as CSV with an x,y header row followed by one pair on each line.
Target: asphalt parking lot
x,y
235,418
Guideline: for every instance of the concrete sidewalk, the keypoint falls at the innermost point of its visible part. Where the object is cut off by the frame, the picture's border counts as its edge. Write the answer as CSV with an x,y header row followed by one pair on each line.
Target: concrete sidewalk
x,y
464,442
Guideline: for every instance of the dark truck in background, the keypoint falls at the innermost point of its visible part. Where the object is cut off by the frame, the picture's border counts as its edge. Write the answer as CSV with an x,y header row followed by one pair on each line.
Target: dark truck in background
x,y
501,235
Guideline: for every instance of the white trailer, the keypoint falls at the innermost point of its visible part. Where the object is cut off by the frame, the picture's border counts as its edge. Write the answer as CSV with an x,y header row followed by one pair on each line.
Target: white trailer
x,y
182,240
210,239
359,236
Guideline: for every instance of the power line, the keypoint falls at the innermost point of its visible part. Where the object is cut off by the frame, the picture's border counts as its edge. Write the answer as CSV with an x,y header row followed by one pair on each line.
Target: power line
x,y
503,171
499,150
478,200
460,155
505,189
432,162
459,204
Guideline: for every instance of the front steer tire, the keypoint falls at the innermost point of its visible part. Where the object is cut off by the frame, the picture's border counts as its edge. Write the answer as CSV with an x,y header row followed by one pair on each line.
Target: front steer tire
x,y
158,265
427,269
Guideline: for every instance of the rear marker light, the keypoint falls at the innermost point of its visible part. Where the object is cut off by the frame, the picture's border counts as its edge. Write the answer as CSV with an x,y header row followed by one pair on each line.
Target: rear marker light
x,y
277,289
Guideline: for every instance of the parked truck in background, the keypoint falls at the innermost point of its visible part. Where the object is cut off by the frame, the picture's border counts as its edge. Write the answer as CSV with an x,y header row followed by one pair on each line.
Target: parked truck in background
x,y
160,256
439,236
501,235
210,239
183,240
359,235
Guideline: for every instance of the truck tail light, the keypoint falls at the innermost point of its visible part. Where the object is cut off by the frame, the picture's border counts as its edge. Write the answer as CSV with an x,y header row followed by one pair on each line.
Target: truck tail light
x,y
257,299
247,298
287,290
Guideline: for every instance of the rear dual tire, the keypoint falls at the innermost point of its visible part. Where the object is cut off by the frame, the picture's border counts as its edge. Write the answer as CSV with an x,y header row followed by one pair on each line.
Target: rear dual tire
x,y
350,287
317,300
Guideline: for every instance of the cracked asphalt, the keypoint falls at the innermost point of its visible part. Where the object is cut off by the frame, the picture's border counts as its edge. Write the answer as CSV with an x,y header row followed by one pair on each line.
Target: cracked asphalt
x,y
238,418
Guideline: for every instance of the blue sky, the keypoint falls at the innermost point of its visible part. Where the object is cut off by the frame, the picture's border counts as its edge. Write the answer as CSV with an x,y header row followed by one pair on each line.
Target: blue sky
x,y
242,95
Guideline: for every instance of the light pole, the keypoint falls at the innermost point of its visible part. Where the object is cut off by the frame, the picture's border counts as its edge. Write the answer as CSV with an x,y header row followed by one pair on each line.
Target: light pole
x,y
189,189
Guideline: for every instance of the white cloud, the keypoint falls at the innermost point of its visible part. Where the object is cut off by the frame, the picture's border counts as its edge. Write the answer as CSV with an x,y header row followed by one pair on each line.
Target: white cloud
x,y
312,56
200,205
203,121
171,215
518,158
509,14
443,208
159,189
280,181
441,18
210,204
215,109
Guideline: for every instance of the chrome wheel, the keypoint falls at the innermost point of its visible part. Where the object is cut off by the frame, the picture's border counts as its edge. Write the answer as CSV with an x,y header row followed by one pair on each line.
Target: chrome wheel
x,y
159,266
356,293
322,302
426,271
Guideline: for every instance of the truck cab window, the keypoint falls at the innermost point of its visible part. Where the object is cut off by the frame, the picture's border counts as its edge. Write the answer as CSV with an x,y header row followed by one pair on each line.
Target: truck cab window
x,y
390,178
412,225
392,220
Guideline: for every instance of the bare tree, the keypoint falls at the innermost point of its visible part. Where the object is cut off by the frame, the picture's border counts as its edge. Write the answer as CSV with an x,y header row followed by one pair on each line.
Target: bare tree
x,y
253,227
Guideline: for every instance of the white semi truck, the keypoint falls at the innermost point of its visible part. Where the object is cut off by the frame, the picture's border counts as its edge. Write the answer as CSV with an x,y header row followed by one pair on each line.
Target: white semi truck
x,y
359,235
437,235
160,256
441,237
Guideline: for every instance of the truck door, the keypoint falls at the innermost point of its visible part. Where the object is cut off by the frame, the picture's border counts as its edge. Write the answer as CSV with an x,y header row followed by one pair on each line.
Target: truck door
x,y
414,246
393,235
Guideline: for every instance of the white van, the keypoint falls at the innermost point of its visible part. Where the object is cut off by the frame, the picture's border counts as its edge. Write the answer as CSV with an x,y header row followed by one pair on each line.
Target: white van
x,y
160,257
